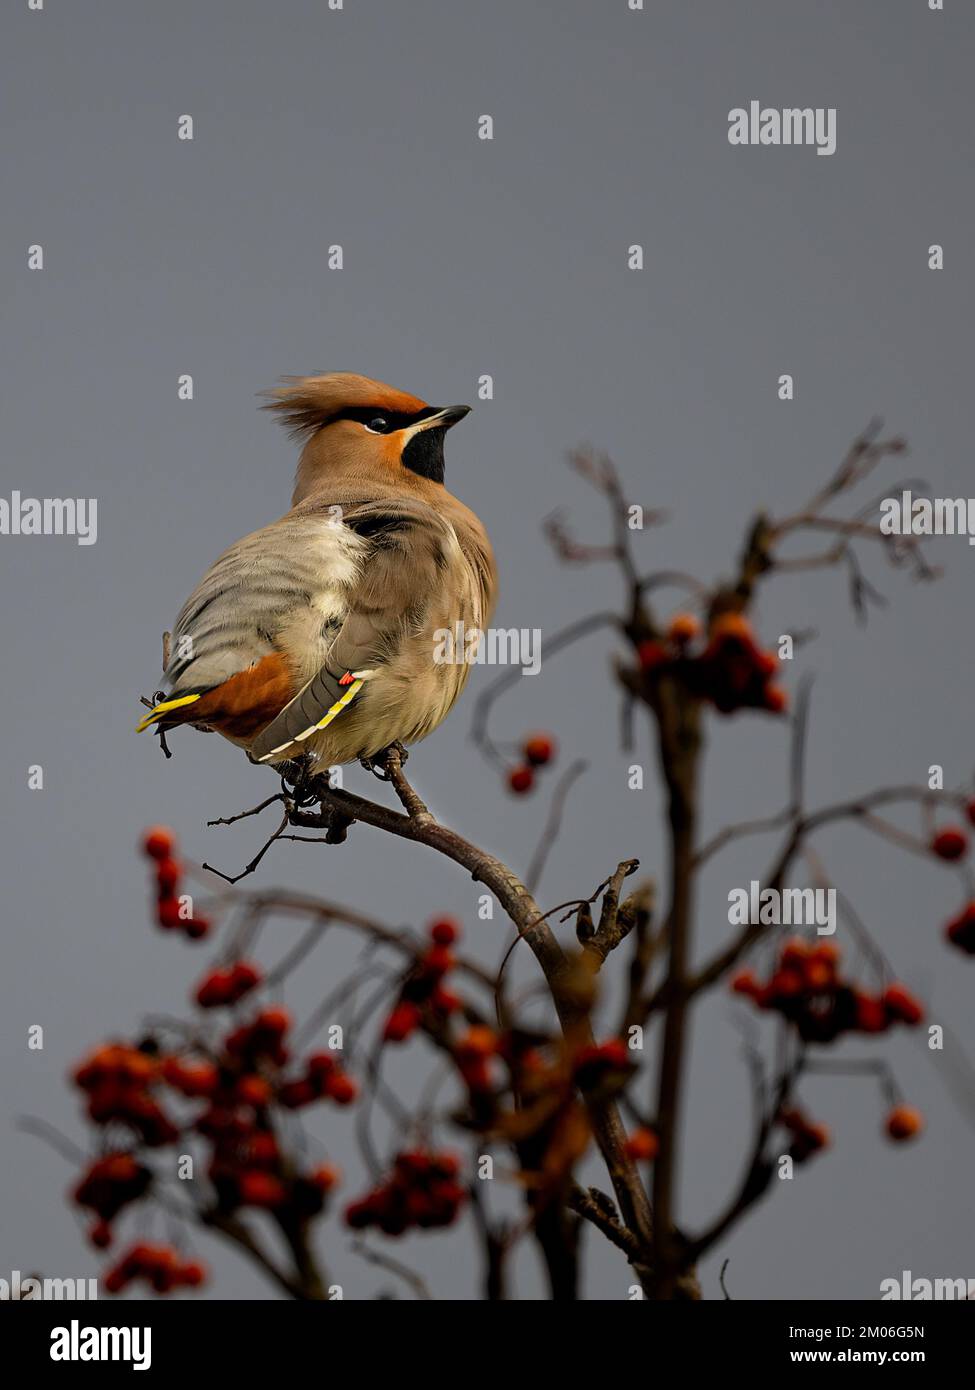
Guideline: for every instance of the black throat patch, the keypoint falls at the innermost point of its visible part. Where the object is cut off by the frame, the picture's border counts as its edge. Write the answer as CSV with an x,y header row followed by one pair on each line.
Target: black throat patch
x,y
424,454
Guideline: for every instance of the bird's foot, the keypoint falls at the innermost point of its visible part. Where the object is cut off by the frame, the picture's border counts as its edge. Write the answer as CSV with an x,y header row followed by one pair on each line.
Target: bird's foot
x,y
377,764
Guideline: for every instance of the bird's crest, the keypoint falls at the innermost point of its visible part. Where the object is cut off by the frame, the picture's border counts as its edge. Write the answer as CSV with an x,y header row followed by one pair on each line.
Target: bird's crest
x,y
306,403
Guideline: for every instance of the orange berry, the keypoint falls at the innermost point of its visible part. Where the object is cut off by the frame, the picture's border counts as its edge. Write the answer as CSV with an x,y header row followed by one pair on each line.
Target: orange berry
x,y
904,1122
776,700
745,982
732,625
683,628
158,842
642,1145
539,749
324,1178
478,1041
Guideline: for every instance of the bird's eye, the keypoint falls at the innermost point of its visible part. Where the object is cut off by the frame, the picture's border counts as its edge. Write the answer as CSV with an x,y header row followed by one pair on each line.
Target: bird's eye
x,y
378,425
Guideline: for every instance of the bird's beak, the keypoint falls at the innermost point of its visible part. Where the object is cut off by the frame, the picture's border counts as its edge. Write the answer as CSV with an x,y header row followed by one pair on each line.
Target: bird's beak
x,y
449,416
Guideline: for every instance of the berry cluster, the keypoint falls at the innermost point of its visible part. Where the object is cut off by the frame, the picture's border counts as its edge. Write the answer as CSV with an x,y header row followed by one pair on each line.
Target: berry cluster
x,y
324,1078
536,751
806,989
731,670
960,931
223,988
110,1184
423,992
252,1176
159,1265
422,1190
159,845
118,1081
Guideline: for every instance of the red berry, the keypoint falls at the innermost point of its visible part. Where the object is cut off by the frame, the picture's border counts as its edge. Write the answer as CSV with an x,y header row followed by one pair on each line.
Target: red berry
x,y
341,1088
539,749
745,982
168,912
253,1090
871,1015
320,1065
196,928
445,931
294,1094
521,779
615,1053
401,1022
950,843
960,931
445,1001
214,989
439,960
192,1274
900,1004
258,1189
158,842
168,875
273,1022
243,977
262,1150
652,655
794,953
100,1235
817,1136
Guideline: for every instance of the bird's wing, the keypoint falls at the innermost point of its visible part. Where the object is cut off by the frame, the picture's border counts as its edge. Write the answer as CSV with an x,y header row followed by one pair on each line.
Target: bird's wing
x,y
410,549
291,577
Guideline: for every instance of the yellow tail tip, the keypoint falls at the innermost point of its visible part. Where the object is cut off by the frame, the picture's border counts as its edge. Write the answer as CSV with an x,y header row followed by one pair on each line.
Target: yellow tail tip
x,y
158,711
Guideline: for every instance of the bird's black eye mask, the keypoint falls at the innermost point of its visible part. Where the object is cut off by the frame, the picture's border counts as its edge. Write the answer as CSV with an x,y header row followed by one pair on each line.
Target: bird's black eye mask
x,y
423,453
380,421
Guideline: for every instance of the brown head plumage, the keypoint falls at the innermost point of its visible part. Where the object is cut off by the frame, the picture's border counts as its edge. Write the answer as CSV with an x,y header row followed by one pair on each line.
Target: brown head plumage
x,y
360,428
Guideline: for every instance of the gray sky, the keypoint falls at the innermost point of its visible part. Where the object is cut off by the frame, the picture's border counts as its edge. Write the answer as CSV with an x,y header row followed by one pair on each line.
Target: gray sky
x,y
465,257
